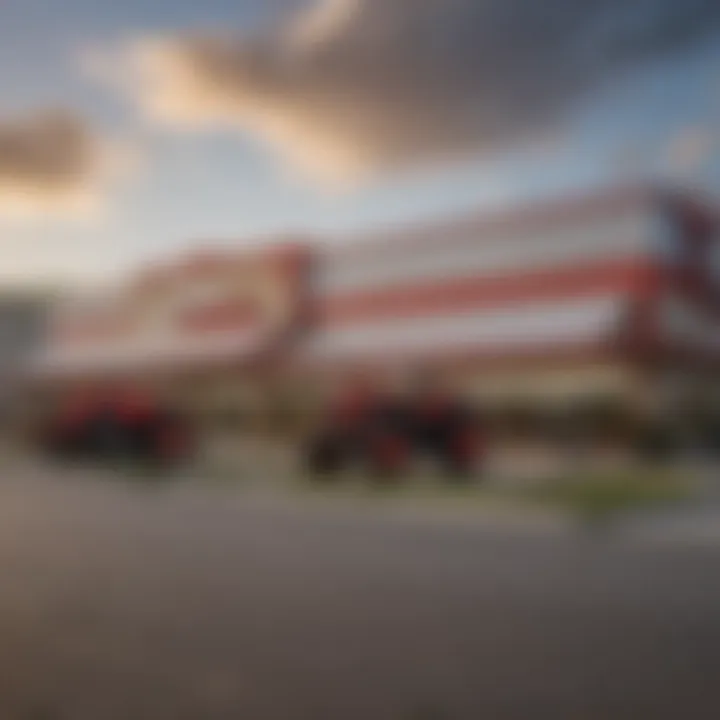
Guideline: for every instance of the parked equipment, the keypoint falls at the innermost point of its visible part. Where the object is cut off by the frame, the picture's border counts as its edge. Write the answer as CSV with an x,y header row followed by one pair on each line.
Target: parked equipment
x,y
383,434
117,427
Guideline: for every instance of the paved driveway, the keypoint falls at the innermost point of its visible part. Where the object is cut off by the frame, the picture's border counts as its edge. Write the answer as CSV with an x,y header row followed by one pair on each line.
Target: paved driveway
x,y
185,602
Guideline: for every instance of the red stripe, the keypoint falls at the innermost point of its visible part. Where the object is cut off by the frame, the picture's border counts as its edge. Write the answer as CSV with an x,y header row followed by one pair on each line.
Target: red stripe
x,y
588,207
223,262
220,317
447,296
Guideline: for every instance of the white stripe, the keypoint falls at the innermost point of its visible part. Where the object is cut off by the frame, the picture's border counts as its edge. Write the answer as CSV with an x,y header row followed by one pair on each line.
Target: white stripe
x,y
129,356
524,326
462,254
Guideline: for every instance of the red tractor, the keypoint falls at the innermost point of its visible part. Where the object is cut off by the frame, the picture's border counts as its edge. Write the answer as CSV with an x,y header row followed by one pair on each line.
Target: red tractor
x,y
117,427
384,433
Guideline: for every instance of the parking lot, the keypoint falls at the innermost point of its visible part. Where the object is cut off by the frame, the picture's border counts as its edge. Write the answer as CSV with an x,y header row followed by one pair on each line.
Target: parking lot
x,y
198,600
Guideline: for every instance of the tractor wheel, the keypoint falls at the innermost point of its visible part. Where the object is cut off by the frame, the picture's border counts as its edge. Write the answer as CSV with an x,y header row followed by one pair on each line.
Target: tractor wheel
x,y
387,458
459,457
324,458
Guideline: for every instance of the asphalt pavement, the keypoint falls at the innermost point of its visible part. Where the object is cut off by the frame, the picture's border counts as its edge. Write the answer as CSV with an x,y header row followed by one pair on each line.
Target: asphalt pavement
x,y
126,601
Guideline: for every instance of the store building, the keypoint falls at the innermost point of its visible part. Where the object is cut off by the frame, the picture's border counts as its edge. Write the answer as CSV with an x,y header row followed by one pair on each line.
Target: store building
x,y
612,294
204,328
592,295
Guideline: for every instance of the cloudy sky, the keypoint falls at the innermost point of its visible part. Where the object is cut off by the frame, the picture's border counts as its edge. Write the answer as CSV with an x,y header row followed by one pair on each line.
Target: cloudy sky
x,y
129,130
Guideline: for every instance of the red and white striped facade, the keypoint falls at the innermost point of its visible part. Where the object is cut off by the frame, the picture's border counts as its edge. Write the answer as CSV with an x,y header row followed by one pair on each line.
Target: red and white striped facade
x,y
619,276
587,276
211,308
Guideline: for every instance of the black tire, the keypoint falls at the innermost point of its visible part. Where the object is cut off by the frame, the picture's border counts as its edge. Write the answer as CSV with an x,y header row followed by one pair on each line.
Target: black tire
x,y
458,465
325,457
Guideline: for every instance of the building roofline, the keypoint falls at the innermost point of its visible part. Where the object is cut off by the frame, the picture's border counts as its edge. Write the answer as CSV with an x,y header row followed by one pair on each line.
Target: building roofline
x,y
532,213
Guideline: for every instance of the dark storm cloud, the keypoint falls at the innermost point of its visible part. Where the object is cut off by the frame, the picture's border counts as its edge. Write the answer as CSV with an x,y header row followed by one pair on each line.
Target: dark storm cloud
x,y
349,86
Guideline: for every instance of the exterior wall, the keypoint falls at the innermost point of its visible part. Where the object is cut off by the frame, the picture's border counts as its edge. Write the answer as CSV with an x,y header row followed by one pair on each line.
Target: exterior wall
x,y
208,309
516,243
490,332
558,299
556,278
